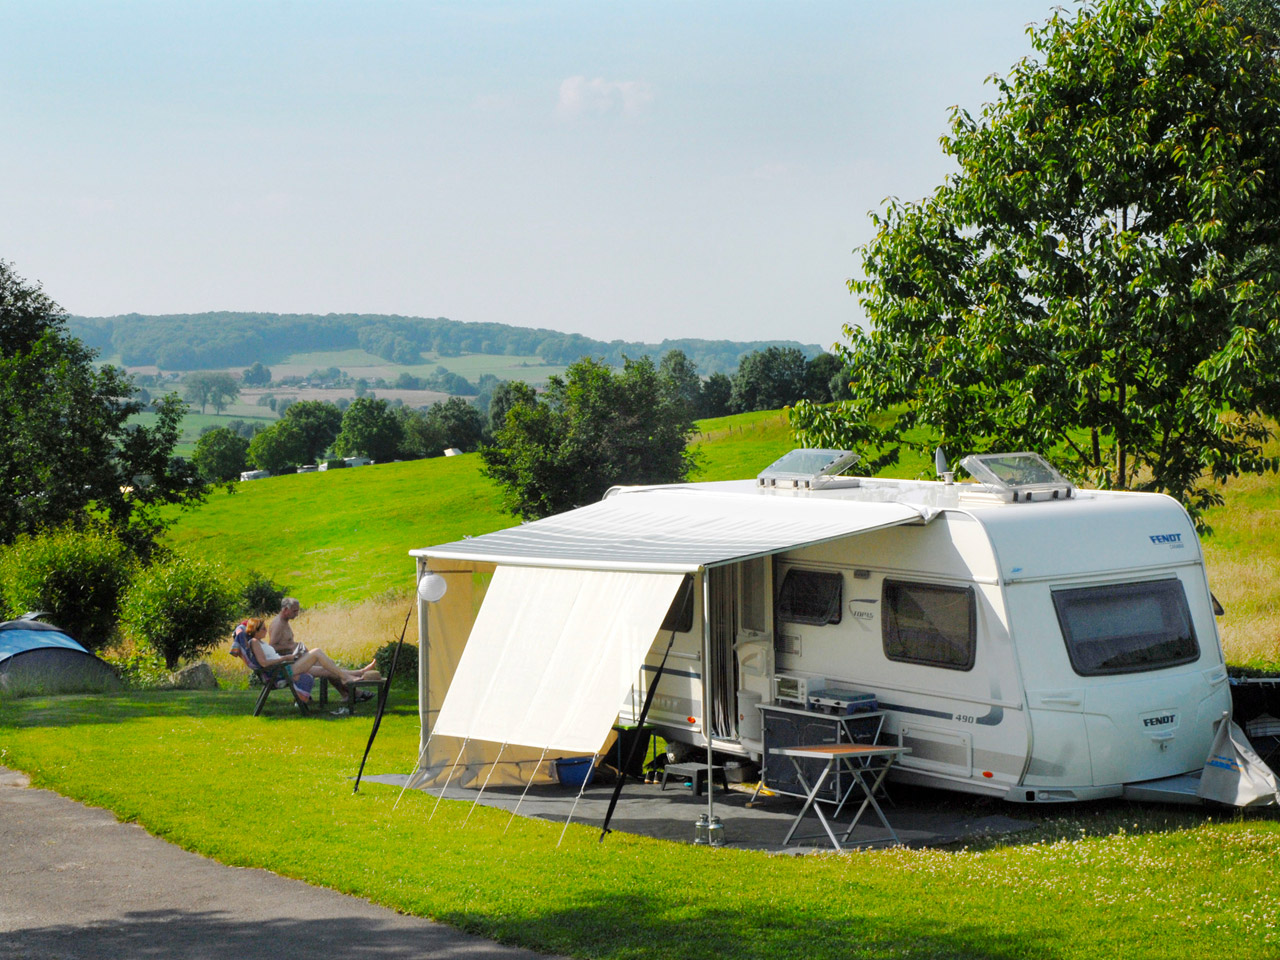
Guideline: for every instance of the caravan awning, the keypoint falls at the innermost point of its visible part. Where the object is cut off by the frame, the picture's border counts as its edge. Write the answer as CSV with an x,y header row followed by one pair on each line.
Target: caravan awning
x,y
677,530
552,655
577,600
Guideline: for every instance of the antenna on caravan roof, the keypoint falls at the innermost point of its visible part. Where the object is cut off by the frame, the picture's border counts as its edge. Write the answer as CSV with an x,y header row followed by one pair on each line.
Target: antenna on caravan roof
x,y
940,465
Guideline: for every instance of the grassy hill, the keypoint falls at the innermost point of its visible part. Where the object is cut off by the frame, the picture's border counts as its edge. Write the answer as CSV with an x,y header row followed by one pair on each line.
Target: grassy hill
x,y
343,537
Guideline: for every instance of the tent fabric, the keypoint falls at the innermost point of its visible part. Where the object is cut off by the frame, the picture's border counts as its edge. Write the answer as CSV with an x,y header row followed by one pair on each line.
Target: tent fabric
x,y
553,654
677,530
15,640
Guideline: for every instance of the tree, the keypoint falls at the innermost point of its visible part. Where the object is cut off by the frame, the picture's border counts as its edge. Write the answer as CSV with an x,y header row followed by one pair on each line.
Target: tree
x,y
1100,281
369,429
68,451
278,447
823,379
221,455
680,379
457,423
505,396
716,394
419,436
768,379
205,388
257,375
180,607
592,429
319,423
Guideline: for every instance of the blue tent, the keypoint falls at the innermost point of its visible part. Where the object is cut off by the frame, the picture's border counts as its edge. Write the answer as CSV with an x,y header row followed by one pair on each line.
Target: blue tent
x,y
39,658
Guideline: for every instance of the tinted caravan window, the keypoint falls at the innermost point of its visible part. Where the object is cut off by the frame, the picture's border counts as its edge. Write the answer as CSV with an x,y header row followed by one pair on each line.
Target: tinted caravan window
x,y
1126,627
810,596
929,624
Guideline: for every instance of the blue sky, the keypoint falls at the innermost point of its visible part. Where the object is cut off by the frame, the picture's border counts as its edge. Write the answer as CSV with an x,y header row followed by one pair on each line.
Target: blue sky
x,y
633,171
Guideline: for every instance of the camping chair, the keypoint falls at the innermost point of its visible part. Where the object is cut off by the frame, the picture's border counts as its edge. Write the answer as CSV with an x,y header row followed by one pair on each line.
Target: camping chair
x,y
275,677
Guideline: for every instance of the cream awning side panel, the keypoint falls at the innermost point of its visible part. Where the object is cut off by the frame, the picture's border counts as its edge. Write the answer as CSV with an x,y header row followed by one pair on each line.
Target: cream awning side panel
x,y
552,655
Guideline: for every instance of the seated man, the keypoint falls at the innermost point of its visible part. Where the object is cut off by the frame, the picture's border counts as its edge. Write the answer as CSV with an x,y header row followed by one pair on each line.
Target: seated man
x,y
285,644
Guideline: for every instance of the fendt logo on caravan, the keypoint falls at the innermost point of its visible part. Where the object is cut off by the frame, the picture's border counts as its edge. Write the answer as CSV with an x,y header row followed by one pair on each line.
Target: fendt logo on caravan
x,y
1159,721
1170,538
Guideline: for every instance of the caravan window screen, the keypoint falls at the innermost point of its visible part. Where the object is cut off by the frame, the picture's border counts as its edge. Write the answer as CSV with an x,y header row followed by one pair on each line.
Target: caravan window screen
x,y
929,624
1126,627
811,596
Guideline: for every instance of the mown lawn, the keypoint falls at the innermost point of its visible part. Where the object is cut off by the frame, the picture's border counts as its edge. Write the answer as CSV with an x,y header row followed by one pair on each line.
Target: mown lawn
x,y
1092,881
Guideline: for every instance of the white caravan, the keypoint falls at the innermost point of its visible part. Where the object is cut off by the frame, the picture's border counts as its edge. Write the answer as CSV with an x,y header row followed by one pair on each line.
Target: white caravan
x,y
1025,639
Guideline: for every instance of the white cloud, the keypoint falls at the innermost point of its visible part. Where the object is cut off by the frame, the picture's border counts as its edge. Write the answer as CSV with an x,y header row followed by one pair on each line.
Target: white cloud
x,y
582,97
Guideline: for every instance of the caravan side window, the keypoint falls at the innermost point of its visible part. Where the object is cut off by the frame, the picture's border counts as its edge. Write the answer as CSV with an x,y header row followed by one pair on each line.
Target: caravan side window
x,y
929,624
811,596
1126,627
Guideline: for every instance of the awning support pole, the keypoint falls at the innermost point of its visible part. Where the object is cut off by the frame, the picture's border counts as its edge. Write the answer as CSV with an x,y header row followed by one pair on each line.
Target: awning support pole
x,y
581,790
528,783
445,786
706,686
635,741
384,691
493,766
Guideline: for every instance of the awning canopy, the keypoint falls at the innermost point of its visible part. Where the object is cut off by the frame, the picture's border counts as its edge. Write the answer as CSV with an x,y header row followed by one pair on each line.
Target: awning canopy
x,y
553,654
677,530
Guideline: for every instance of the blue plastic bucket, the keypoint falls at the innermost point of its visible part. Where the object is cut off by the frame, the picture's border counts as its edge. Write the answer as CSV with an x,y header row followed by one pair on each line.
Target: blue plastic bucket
x,y
575,771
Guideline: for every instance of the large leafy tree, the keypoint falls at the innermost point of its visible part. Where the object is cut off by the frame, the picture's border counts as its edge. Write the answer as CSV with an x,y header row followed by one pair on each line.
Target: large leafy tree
x,y
768,379
1100,280
221,454
369,428
318,422
210,388
592,428
68,451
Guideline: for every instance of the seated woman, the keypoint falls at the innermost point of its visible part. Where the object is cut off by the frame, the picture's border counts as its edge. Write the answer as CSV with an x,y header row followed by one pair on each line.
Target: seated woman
x,y
314,662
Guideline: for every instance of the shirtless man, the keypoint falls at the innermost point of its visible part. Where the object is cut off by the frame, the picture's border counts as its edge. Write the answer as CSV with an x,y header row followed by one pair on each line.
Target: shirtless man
x,y
280,636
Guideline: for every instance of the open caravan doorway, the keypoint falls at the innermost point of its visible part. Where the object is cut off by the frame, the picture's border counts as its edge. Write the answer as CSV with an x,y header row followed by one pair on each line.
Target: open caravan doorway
x,y
738,654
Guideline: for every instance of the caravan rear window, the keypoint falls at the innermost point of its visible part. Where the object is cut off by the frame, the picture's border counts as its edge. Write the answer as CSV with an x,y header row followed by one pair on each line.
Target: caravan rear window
x,y
1126,627
929,624
810,596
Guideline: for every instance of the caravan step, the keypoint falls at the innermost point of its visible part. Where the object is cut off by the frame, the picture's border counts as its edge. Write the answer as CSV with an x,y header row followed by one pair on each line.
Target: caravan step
x,y
1179,789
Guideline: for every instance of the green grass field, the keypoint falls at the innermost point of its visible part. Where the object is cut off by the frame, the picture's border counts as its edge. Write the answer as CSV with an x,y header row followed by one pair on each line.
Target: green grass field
x,y
1099,880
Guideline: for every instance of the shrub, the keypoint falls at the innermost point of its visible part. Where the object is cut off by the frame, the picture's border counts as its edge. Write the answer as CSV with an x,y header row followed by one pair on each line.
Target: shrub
x,y
140,667
406,666
180,606
261,596
76,576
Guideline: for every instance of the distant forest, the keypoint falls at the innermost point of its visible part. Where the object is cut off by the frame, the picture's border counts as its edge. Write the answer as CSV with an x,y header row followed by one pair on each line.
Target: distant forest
x,y
206,341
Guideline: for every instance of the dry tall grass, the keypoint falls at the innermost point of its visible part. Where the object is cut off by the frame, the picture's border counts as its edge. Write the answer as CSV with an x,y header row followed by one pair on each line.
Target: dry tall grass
x,y
349,634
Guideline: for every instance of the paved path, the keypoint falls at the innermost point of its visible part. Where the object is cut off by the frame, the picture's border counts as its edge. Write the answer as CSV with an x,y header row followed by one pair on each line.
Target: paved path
x,y
76,883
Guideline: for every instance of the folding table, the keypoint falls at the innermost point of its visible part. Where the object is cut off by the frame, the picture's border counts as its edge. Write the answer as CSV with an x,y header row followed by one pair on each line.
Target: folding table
x,y
867,766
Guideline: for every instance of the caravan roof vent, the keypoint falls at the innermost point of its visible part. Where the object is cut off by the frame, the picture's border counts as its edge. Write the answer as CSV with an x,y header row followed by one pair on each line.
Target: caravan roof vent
x,y
1015,477
809,470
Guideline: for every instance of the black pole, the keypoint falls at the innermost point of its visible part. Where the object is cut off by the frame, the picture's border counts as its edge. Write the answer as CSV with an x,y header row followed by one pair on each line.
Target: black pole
x,y
635,742
383,692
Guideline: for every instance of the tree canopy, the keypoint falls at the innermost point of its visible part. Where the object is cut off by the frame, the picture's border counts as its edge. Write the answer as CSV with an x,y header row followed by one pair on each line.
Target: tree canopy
x,y
69,451
591,430
369,429
1100,279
